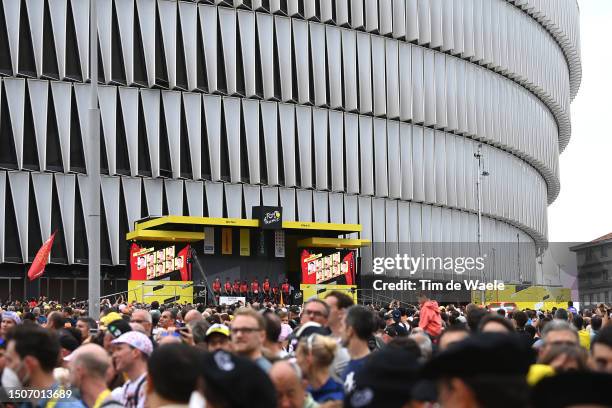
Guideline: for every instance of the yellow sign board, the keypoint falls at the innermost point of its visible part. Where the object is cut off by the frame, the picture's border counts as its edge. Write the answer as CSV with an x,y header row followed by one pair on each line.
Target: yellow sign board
x,y
162,291
245,242
532,297
319,291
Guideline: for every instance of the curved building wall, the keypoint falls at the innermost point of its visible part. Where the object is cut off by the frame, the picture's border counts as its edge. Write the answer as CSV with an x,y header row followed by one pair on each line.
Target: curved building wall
x,y
350,111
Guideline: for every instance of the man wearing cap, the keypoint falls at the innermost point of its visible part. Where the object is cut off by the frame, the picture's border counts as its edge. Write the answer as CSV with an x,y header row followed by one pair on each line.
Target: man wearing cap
x,y
9,320
130,353
482,371
218,338
88,368
114,329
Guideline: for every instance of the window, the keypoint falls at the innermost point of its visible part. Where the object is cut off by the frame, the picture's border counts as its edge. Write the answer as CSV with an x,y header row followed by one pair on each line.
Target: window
x,y
604,251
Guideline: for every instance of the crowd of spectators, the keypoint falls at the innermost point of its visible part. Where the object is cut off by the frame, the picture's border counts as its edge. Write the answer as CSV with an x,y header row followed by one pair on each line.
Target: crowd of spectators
x,y
327,352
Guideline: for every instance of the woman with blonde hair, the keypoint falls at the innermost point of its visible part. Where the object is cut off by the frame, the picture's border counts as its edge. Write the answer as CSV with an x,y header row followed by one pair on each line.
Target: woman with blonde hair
x,y
315,355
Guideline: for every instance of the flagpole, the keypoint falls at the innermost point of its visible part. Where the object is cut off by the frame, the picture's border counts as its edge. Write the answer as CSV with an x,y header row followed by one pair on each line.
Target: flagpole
x,y
93,216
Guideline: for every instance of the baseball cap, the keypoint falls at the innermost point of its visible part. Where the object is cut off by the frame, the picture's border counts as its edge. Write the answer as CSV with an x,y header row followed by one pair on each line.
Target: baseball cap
x,y
109,318
118,327
137,340
222,372
218,328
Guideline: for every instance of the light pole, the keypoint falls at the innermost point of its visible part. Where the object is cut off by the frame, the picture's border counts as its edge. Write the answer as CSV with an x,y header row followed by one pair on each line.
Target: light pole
x,y
93,214
481,173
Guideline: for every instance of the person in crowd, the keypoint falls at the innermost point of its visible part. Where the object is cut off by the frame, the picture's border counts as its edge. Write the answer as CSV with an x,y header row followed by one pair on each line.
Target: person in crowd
x,y
144,318
596,322
429,316
453,334
315,355
474,315
192,316
130,353
423,341
9,320
563,357
387,380
223,382
315,310
86,325
338,303
291,393
495,323
486,370
218,338
561,314
89,366
583,334
55,321
557,332
198,332
358,328
31,355
114,329
168,319
248,335
601,351
172,375
272,345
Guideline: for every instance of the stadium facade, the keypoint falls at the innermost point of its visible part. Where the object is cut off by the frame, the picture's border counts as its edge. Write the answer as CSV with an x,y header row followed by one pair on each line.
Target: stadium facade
x,y
345,111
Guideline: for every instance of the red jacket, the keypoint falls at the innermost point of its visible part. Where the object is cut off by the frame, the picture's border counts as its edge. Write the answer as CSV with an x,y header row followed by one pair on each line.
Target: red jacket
x,y
429,318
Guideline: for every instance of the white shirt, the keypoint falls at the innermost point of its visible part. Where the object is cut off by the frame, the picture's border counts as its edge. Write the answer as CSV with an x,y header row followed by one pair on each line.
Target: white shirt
x,y
126,394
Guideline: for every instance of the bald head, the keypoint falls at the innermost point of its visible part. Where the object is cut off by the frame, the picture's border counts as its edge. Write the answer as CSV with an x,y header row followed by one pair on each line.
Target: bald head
x,y
290,390
193,316
92,358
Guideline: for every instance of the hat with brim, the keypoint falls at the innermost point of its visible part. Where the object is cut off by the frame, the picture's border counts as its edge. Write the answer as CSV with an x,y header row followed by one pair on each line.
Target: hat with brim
x,y
217,328
137,340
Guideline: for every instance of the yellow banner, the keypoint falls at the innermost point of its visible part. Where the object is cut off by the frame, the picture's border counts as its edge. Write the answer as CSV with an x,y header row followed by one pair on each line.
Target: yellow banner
x,y
161,291
245,242
320,291
226,241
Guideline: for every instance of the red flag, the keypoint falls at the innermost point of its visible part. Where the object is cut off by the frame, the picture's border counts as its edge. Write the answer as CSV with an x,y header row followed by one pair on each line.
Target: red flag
x,y
40,261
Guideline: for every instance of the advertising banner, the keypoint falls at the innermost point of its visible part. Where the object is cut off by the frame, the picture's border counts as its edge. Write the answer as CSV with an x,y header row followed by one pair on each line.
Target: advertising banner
x,y
164,292
155,263
328,266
